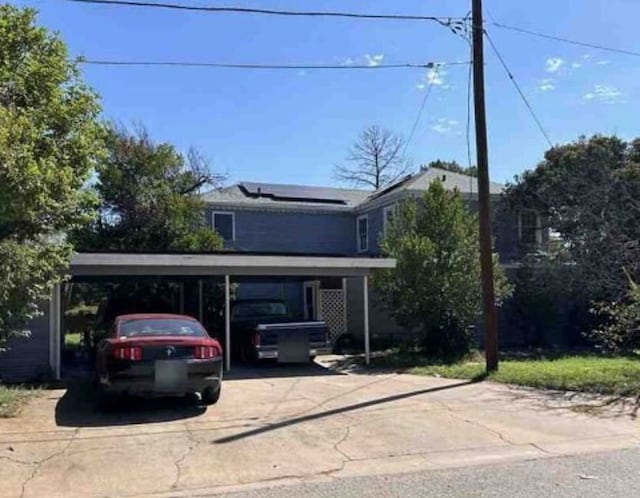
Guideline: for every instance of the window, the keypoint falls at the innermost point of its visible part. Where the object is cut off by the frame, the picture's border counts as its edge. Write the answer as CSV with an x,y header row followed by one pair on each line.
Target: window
x,y
225,225
160,326
529,229
388,213
363,233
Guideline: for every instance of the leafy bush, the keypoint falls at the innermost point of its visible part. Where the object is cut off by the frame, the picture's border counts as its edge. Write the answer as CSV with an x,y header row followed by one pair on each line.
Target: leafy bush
x,y
620,330
435,287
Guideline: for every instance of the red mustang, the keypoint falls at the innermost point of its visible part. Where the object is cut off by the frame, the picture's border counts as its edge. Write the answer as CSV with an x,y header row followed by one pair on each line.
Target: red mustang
x,y
159,354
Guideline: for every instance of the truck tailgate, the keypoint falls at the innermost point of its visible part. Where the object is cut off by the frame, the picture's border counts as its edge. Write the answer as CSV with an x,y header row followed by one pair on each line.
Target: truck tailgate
x,y
293,341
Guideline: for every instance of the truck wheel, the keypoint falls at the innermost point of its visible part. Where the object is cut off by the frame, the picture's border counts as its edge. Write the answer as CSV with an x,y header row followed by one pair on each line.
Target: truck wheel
x,y
211,396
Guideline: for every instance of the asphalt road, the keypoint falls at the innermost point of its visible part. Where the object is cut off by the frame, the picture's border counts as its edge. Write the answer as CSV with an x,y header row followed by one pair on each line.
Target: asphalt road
x,y
615,474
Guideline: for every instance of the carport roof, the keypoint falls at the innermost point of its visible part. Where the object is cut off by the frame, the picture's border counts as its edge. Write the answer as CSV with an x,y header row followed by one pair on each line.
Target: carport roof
x,y
133,264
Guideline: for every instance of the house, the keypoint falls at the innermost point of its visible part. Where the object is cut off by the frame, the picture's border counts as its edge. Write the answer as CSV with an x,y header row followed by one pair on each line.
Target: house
x,y
295,219
313,247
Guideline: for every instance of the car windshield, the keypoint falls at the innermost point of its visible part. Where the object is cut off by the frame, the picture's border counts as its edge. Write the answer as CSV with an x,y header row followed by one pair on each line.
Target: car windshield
x,y
266,308
160,326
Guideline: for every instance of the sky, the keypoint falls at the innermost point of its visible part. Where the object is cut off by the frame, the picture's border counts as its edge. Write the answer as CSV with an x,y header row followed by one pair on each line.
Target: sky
x,y
295,126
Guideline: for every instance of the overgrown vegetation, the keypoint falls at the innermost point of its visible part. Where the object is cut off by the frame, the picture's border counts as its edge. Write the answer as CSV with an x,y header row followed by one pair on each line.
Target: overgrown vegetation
x,y
12,399
435,287
50,140
588,192
149,198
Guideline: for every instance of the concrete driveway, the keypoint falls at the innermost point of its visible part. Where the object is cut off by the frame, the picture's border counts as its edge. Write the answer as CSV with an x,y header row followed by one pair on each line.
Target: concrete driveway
x,y
284,425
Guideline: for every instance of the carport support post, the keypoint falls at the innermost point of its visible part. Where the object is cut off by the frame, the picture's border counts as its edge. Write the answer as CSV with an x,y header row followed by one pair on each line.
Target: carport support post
x,y
227,323
367,347
200,303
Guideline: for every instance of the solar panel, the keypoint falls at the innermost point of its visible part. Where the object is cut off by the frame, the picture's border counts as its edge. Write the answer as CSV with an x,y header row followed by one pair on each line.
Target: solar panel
x,y
296,192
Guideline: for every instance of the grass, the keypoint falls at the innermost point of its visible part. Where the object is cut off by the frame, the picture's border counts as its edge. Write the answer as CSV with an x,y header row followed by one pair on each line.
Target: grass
x,y
72,340
13,399
587,373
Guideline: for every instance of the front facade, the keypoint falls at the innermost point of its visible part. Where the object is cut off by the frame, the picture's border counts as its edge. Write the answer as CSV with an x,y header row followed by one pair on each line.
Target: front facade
x,y
311,247
290,219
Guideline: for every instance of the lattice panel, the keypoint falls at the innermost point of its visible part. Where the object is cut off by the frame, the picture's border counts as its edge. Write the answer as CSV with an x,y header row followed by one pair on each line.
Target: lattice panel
x,y
334,312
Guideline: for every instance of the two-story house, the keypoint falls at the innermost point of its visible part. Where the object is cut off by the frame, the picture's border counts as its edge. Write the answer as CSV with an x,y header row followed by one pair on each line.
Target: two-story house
x,y
299,220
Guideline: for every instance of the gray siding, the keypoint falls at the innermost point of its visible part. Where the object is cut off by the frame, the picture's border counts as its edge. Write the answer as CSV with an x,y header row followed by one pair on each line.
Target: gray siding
x,y
380,322
27,358
322,233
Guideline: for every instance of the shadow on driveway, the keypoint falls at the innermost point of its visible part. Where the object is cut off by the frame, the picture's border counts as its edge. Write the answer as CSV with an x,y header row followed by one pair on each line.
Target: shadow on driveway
x,y
271,370
336,411
79,408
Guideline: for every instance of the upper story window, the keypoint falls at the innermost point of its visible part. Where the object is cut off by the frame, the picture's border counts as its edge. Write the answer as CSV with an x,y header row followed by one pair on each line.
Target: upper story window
x,y
529,228
388,212
362,227
224,224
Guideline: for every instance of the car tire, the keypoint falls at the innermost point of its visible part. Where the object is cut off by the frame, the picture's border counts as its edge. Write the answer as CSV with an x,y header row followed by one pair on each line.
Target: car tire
x,y
211,396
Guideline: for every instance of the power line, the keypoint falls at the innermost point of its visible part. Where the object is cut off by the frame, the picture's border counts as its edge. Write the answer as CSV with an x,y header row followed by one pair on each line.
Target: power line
x,y
432,80
517,86
224,65
449,22
566,40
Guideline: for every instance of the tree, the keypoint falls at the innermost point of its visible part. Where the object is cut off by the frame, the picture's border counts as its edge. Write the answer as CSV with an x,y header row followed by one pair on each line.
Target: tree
x,y
453,166
149,198
435,287
589,191
50,140
375,160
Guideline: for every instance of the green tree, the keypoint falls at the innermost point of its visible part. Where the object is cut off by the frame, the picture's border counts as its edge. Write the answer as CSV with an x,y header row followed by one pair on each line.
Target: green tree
x,y
453,166
435,287
589,193
149,198
50,140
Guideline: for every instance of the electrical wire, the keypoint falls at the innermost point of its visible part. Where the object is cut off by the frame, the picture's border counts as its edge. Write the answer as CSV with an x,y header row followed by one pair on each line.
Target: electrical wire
x,y
433,78
445,21
222,65
517,86
566,40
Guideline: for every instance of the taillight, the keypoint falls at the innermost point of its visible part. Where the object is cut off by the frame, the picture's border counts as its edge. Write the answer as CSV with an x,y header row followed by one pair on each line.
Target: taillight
x,y
206,352
133,353
256,339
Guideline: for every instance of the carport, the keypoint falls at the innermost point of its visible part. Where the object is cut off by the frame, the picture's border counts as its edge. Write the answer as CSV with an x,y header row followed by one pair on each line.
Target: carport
x,y
226,265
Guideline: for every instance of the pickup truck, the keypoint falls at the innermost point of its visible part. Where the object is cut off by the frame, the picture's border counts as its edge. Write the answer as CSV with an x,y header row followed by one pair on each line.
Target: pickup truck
x,y
263,329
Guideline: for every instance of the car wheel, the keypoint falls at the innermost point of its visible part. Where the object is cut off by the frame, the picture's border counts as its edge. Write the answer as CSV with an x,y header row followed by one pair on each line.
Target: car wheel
x,y
211,396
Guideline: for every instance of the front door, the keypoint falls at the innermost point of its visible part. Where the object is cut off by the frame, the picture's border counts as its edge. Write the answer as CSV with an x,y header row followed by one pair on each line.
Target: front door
x,y
311,301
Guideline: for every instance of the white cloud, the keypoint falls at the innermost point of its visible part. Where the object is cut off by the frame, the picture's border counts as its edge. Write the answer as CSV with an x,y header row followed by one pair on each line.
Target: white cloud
x,y
603,63
587,56
605,94
373,60
575,65
434,77
444,125
546,85
348,61
554,64
302,73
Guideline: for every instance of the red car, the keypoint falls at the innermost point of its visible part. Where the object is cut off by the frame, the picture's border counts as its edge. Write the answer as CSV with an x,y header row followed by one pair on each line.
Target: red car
x,y
159,354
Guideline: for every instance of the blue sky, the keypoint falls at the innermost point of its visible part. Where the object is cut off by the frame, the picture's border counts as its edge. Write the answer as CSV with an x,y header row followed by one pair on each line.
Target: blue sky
x,y
294,126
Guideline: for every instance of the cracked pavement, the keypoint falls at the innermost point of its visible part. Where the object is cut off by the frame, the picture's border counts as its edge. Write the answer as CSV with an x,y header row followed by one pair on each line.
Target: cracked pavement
x,y
297,425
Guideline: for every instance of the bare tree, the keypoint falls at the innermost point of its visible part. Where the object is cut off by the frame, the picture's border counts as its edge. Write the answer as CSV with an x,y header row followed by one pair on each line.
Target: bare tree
x,y
375,160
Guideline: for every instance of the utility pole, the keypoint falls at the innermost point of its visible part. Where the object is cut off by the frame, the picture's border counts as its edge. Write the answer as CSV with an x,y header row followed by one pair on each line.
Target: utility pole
x,y
486,256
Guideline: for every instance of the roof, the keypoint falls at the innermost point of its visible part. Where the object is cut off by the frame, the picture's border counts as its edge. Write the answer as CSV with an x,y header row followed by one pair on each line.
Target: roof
x,y
463,183
236,264
270,194
307,197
